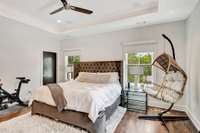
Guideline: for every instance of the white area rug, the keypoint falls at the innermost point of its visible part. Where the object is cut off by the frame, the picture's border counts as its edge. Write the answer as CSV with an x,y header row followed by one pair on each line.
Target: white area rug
x,y
38,124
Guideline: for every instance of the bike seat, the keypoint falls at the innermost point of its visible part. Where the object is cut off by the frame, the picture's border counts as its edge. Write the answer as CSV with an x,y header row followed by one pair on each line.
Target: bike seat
x,y
21,78
26,80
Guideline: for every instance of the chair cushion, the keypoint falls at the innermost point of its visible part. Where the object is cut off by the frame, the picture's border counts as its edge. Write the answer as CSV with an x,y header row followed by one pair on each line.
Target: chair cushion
x,y
165,95
171,89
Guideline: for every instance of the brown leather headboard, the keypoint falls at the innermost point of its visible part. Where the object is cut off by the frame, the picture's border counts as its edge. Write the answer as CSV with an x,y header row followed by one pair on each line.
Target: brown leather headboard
x,y
100,66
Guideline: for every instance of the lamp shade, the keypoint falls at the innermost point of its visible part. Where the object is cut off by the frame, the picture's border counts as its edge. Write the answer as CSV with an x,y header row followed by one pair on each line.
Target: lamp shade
x,y
136,70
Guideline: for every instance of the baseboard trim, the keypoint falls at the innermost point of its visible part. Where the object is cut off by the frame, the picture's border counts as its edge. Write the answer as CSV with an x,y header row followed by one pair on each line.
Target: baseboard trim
x,y
194,120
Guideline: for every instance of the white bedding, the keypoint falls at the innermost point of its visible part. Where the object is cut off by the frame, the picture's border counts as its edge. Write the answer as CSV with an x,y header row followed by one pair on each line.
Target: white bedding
x,y
83,97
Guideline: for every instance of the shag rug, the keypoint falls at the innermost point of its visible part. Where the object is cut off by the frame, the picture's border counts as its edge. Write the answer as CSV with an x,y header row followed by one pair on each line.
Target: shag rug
x,y
37,124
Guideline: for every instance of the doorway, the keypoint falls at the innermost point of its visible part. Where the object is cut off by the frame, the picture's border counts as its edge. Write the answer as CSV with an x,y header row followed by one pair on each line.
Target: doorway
x,y
49,67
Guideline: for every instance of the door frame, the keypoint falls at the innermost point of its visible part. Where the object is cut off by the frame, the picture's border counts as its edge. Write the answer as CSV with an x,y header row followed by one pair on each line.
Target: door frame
x,y
41,65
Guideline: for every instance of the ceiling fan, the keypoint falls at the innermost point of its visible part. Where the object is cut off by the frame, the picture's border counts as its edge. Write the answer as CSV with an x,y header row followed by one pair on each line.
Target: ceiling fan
x,y
67,6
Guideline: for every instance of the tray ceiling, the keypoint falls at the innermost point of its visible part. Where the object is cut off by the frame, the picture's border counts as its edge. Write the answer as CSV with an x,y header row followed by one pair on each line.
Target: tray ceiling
x,y
108,14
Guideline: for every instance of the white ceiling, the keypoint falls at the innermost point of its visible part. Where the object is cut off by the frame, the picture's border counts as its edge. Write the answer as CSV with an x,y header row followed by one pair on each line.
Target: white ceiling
x,y
109,15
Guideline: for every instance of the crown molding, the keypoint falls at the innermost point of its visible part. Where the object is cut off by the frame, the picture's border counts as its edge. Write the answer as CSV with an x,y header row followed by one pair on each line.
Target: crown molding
x,y
25,19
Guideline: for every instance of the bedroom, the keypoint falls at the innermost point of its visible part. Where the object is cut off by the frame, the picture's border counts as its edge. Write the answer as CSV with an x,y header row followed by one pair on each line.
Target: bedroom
x,y
129,29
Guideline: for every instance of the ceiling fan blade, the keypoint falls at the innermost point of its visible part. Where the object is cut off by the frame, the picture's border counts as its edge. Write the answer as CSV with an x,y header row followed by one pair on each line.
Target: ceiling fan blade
x,y
78,9
56,11
64,2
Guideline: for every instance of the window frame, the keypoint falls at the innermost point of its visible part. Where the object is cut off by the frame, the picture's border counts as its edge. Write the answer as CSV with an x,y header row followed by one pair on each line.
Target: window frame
x,y
67,53
135,47
139,64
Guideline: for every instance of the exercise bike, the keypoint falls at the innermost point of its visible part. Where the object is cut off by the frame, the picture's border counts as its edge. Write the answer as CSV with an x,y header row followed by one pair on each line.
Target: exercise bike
x,y
9,98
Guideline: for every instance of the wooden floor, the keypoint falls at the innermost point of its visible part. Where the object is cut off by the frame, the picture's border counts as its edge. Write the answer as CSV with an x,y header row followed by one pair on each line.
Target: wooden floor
x,y
13,112
129,124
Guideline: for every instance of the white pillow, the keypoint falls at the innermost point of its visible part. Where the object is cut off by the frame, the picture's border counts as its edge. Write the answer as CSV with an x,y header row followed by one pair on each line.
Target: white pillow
x,y
85,73
93,78
114,76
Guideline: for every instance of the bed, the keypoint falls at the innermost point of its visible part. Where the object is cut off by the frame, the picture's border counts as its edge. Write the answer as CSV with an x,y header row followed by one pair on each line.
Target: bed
x,y
85,119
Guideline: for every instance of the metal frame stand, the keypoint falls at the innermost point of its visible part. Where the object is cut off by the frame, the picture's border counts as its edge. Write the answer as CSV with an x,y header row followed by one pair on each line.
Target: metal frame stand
x,y
160,116
164,119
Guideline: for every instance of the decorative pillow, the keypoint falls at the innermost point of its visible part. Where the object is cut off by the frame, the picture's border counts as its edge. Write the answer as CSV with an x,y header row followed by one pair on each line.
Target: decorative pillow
x,y
93,78
174,80
114,76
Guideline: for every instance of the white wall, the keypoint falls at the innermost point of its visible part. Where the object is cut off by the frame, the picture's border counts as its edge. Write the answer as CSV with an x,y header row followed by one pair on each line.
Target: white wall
x,y
21,49
193,63
107,46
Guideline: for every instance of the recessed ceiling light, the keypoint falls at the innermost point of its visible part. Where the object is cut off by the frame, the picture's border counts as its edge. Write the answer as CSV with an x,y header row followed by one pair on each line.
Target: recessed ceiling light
x,y
58,21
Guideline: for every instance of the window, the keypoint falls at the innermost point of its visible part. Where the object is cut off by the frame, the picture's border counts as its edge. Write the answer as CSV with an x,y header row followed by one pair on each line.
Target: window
x,y
71,57
139,68
69,62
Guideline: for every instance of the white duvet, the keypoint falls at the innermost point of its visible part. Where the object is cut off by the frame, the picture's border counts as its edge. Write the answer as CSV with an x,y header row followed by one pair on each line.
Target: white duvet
x,y
83,97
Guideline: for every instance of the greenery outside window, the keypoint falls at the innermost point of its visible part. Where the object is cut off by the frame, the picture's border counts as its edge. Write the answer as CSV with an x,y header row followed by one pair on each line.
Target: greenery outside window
x,y
73,60
142,59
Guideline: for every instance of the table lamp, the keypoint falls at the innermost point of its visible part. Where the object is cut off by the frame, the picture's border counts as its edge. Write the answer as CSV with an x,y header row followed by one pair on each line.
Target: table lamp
x,y
69,70
136,70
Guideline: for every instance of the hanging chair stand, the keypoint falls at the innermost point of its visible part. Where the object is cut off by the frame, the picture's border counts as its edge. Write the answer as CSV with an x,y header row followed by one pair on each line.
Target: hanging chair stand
x,y
161,116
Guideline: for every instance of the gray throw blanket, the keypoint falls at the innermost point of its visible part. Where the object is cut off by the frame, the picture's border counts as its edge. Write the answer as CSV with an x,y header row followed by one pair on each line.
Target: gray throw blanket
x,y
58,96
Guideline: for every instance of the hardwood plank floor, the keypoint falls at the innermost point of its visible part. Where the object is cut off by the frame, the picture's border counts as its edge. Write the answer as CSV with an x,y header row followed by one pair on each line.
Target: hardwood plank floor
x,y
129,124
13,112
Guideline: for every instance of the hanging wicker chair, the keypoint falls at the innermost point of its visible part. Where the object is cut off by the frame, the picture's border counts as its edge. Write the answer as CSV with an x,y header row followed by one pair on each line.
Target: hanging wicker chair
x,y
171,88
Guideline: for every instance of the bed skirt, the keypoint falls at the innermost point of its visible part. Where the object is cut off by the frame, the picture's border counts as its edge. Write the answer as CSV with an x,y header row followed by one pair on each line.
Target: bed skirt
x,y
75,118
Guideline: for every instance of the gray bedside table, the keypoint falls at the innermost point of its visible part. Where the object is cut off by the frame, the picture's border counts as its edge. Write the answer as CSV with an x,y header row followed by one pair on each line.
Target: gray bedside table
x,y
135,100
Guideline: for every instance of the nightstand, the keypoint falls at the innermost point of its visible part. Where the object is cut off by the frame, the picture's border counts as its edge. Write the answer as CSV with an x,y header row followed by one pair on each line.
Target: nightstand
x,y
135,100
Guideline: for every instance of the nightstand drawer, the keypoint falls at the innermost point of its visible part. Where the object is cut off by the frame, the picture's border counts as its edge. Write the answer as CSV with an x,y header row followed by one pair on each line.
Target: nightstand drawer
x,y
137,108
136,93
135,100
138,98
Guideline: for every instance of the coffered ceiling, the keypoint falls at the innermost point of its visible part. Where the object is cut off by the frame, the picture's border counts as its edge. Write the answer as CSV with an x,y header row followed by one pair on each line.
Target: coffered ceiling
x,y
109,15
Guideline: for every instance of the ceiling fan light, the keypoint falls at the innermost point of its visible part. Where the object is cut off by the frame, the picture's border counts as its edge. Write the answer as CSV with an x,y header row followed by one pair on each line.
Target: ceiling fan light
x,y
59,21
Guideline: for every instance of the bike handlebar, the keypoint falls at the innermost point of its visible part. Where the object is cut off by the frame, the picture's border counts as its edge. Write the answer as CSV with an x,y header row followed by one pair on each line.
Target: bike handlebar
x,y
20,78
23,79
26,80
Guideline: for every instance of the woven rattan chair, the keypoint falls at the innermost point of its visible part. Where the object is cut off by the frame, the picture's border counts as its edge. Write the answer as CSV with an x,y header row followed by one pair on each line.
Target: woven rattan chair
x,y
171,88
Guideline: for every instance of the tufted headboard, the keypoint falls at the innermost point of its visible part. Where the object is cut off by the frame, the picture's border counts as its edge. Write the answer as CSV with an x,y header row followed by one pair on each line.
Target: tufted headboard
x,y
100,66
